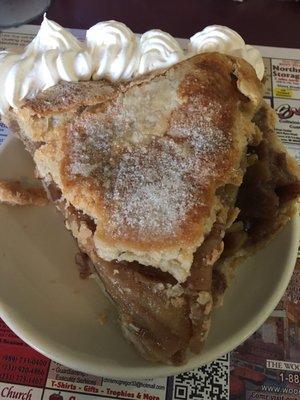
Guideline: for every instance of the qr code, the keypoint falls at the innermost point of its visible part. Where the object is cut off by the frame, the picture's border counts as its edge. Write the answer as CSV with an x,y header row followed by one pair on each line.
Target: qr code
x,y
210,382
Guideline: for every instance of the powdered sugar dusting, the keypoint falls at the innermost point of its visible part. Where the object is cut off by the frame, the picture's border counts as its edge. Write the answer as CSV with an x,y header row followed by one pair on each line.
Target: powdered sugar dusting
x,y
153,175
152,191
201,128
91,145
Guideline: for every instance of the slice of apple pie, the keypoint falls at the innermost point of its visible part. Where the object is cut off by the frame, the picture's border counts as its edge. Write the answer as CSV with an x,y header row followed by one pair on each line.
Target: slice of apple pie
x,y
166,181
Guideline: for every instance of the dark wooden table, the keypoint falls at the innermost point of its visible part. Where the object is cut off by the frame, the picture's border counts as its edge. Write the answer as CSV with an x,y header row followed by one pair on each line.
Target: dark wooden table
x,y
264,22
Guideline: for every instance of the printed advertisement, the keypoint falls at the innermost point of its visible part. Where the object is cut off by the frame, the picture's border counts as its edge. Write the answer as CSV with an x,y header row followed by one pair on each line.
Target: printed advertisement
x,y
286,78
288,125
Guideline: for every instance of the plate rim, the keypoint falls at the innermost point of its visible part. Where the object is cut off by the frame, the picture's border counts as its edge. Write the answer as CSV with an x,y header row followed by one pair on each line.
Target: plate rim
x,y
27,332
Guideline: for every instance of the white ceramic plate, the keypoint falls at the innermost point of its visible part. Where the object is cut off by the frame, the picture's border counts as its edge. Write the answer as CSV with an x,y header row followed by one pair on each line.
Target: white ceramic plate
x,y
45,302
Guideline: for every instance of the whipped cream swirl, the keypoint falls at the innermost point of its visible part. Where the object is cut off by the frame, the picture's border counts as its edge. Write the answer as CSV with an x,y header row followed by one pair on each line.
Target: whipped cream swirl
x,y
53,55
158,50
225,40
114,50
111,51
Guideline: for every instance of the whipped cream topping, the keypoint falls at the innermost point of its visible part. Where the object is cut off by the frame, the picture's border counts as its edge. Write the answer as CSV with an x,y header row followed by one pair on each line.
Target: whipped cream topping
x,y
111,50
114,50
53,55
158,50
225,40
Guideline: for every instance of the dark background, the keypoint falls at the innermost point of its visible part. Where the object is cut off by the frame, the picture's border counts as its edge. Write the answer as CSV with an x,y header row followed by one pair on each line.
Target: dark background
x,y
261,22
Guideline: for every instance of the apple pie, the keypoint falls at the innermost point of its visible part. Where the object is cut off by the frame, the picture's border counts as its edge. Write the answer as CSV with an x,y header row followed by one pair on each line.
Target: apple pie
x,y
167,182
